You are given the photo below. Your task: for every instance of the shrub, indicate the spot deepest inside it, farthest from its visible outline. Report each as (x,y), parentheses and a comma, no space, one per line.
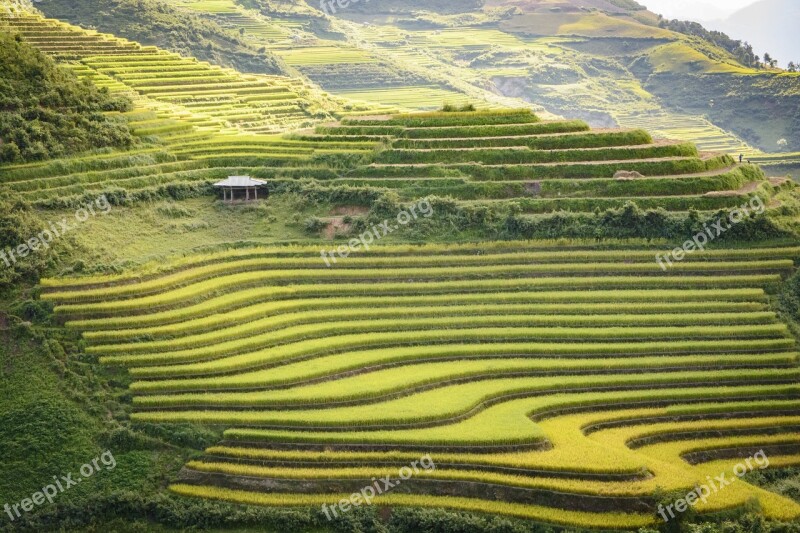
(314,225)
(18,223)
(45,111)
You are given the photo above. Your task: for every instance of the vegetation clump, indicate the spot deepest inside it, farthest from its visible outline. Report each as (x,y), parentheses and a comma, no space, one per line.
(45,111)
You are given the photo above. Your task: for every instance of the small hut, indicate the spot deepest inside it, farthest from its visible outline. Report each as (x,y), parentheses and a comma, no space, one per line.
(241,186)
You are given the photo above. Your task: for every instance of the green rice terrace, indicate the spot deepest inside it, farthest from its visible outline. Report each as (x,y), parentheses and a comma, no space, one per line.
(202,95)
(475,157)
(593,313)
(612,63)
(564,384)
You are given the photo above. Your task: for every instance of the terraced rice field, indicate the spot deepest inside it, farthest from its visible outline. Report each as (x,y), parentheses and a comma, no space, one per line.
(324,55)
(545,165)
(524,56)
(354,74)
(210,96)
(791,158)
(474,157)
(196,160)
(567,384)
(232,15)
(692,128)
(411,97)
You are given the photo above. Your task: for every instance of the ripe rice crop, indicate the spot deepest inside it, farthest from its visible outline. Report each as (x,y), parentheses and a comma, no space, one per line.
(567,345)
(81,303)
(281,315)
(283,329)
(447,404)
(537,513)
(592,301)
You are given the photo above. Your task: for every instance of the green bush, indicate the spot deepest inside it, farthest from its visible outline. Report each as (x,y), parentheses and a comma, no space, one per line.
(18,224)
(314,225)
(790,297)
(45,111)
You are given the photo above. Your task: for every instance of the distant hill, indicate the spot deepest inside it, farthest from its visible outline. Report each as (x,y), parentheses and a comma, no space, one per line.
(771,26)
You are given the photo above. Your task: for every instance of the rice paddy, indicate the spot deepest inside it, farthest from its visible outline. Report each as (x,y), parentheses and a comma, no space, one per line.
(209,96)
(200,123)
(476,157)
(571,382)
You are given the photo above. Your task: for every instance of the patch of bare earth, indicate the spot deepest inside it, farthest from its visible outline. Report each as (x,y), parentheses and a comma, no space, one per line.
(336,224)
(779,182)
(744,191)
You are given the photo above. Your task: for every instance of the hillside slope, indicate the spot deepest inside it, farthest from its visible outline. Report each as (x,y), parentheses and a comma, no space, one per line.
(154,22)
(245,362)
(45,111)
(604,61)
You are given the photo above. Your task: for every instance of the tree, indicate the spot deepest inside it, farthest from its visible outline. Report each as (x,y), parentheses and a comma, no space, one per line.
(47,111)
(792,67)
(743,51)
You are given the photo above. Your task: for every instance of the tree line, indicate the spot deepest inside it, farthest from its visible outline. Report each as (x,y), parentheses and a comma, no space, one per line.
(741,50)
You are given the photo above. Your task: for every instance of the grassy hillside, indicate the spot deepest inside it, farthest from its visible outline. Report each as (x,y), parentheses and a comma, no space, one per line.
(45,111)
(247,362)
(610,63)
(508,163)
